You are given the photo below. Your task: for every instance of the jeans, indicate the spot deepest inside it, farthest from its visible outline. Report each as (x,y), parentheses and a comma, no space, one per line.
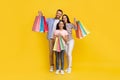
(60,58)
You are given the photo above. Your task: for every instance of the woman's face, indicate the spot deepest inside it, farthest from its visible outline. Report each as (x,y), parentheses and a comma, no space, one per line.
(61,25)
(65,19)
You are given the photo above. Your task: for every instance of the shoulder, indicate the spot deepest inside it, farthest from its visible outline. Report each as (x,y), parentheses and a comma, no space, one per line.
(56,31)
(70,24)
(65,31)
(50,19)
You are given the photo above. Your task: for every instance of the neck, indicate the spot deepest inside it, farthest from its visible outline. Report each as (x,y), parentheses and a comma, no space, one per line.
(61,29)
(66,22)
(57,18)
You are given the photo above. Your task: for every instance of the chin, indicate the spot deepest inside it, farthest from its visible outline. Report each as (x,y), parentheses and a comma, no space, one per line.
(58,17)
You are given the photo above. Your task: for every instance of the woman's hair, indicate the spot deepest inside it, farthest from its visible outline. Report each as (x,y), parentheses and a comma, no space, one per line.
(64,27)
(68,20)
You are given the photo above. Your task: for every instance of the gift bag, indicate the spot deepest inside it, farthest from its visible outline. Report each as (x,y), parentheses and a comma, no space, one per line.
(81,30)
(40,24)
(78,32)
(45,25)
(36,24)
(55,44)
(61,44)
(58,45)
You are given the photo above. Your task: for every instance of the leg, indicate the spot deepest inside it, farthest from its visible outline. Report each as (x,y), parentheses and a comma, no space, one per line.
(66,51)
(51,52)
(62,59)
(57,60)
(69,54)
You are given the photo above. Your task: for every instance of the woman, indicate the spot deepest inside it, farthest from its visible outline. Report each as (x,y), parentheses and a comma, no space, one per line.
(70,42)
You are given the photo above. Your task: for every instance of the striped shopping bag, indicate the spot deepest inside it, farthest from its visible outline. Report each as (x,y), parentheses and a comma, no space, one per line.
(40,24)
(81,31)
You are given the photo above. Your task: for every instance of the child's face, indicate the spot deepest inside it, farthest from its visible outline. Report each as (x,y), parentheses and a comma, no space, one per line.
(61,25)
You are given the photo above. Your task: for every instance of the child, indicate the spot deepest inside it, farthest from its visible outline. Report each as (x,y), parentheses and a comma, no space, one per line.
(60,33)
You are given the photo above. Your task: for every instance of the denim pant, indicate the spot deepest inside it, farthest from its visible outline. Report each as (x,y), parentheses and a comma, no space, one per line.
(60,58)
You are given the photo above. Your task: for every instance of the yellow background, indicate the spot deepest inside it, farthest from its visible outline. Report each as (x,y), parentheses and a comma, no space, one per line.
(24,54)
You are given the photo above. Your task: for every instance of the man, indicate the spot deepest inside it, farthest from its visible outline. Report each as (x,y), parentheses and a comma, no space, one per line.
(52,22)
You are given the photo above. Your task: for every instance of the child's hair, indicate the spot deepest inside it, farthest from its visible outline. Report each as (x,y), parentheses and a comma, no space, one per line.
(57,28)
(68,20)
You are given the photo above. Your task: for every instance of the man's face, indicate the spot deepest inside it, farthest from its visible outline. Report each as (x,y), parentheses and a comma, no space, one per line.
(58,14)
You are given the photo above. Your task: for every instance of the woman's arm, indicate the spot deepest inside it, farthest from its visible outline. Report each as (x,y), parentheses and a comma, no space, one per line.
(65,38)
(74,25)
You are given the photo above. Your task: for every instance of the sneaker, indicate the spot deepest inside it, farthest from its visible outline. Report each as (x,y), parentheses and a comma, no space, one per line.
(57,71)
(51,68)
(62,71)
(69,70)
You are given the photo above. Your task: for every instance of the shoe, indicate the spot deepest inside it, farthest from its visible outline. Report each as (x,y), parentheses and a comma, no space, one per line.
(51,68)
(69,70)
(62,71)
(57,71)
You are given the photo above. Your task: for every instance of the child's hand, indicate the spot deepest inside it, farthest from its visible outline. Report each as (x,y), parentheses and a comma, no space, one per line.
(57,36)
(60,34)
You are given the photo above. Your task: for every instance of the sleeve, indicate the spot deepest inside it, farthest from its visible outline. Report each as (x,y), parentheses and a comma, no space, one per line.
(55,32)
(47,20)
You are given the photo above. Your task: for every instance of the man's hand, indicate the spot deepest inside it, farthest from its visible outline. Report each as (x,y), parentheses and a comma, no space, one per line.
(40,13)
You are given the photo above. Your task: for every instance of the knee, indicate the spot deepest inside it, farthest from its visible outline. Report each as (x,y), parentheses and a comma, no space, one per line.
(51,54)
(62,61)
(69,55)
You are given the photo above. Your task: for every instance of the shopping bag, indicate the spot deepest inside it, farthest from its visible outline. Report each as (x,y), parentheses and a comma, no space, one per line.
(62,46)
(78,32)
(58,46)
(81,30)
(55,44)
(36,24)
(45,25)
(40,24)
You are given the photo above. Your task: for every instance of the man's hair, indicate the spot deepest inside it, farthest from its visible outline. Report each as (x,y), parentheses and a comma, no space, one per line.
(60,10)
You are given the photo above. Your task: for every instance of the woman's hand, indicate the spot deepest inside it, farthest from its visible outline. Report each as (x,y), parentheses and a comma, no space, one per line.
(65,38)
(75,20)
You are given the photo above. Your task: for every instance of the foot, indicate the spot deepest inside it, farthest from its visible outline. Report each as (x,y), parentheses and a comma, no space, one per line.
(51,68)
(57,71)
(69,70)
(62,71)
